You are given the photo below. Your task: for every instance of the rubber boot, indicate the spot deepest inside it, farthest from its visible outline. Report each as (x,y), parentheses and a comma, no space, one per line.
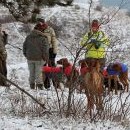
(40,86)
(32,86)
(47,83)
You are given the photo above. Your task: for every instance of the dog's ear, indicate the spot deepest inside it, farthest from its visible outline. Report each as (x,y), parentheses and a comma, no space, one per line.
(83,63)
(65,61)
(59,61)
(62,61)
(117,67)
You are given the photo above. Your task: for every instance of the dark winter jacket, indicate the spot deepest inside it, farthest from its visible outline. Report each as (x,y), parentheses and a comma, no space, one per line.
(36,46)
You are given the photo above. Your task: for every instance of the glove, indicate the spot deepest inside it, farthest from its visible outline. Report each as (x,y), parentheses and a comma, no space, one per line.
(51,53)
(5,33)
(97,45)
(93,41)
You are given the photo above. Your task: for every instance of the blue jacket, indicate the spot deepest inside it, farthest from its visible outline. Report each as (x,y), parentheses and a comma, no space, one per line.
(113,72)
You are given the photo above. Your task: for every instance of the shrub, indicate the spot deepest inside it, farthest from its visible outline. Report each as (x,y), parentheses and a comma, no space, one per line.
(98,8)
(128,13)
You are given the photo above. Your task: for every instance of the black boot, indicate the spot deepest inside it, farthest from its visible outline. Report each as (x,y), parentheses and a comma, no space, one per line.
(40,86)
(47,83)
(4,83)
(32,86)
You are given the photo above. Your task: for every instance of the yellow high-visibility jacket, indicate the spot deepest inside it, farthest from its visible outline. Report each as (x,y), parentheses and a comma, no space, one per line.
(91,51)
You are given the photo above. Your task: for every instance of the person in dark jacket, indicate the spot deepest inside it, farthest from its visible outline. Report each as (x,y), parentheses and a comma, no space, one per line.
(3,55)
(53,46)
(36,50)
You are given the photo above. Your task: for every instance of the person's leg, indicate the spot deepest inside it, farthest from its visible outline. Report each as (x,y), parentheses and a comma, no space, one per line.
(31,67)
(4,68)
(3,71)
(47,79)
(52,62)
(38,73)
(47,84)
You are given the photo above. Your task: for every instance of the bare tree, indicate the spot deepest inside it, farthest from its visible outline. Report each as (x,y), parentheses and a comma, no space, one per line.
(27,10)
(69,105)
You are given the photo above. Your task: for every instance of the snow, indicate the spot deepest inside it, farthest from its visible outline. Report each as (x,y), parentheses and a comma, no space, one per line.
(72,21)
(9,123)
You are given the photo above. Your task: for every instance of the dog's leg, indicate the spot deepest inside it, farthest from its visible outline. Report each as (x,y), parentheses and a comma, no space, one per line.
(124,80)
(109,84)
(81,84)
(115,82)
(126,84)
(56,84)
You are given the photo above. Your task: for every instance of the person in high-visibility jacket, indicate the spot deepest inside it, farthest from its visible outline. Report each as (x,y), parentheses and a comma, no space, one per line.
(95,43)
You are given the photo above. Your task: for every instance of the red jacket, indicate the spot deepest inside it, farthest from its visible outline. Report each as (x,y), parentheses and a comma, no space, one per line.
(84,70)
(51,69)
(105,73)
(66,71)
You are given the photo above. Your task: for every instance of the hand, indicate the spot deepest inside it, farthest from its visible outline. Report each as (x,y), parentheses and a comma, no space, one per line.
(4,33)
(97,45)
(93,41)
(53,55)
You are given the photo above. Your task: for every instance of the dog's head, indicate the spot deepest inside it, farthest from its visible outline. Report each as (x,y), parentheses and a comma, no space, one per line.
(68,68)
(64,62)
(83,63)
(117,67)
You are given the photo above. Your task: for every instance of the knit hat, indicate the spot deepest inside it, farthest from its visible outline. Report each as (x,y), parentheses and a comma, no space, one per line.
(41,26)
(95,23)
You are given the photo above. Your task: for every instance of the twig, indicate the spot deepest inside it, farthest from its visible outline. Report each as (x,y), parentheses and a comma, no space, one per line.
(42,105)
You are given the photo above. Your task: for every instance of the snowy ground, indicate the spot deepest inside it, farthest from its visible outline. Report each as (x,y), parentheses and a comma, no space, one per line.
(10,123)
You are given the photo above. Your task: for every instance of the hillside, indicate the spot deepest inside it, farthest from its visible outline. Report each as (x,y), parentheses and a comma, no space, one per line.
(70,24)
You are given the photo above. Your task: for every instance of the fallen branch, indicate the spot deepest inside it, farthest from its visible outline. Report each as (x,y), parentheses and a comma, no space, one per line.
(22,90)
